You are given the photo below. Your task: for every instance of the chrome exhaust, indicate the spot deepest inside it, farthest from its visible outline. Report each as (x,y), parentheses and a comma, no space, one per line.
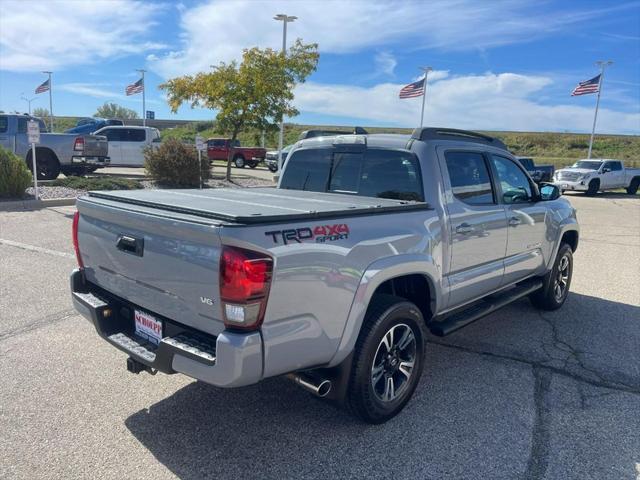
(318,386)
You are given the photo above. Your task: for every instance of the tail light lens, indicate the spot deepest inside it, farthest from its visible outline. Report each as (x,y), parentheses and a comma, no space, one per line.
(76,245)
(79,144)
(245,278)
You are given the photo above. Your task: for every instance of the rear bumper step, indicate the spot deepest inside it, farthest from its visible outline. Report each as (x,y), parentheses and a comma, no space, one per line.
(228,360)
(461,318)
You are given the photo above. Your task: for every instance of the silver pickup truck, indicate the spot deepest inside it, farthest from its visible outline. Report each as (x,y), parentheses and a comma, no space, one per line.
(56,152)
(335,277)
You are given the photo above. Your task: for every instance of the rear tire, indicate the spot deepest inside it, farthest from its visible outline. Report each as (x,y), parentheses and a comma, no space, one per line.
(632,189)
(594,186)
(557,281)
(47,165)
(388,359)
(238,161)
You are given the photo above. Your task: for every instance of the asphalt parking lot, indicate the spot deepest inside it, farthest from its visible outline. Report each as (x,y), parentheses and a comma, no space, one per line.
(517,395)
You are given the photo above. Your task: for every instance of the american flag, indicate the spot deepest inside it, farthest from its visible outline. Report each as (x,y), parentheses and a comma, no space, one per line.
(415,89)
(586,87)
(43,87)
(134,88)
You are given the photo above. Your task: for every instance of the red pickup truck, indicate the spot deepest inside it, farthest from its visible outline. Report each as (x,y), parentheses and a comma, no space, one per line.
(218,149)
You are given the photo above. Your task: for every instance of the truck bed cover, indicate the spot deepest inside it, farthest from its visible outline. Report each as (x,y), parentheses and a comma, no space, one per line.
(256,205)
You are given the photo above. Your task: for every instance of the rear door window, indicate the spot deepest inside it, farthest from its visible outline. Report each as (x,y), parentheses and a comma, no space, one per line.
(469,176)
(22,125)
(375,173)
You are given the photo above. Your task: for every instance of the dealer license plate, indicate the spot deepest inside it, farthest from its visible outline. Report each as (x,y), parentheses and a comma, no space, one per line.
(148,326)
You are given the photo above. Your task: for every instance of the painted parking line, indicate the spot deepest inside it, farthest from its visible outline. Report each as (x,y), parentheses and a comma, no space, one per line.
(34,248)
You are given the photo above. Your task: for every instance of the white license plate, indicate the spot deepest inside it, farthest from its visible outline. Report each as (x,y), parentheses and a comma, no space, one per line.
(148,326)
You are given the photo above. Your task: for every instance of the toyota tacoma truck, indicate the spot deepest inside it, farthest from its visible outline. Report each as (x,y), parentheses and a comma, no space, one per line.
(218,149)
(335,277)
(56,152)
(596,175)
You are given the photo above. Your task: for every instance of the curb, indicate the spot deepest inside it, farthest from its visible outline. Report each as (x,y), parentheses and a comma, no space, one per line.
(35,204)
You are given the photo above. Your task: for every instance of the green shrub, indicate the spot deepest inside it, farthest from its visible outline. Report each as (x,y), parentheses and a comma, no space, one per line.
(15,177)
(97,183)
(175,164)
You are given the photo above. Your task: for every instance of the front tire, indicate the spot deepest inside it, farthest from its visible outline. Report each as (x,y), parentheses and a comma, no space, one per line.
(557,281)
(632,189)
(272,168)
(388,359)
(594,186)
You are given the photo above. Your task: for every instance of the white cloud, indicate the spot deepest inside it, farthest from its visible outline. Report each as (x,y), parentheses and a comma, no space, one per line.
(385,63)
(218,30)
(90,89)
(485,102)
(57,34)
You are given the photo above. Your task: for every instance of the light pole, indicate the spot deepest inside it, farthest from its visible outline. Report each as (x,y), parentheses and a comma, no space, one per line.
(144,107)
(28,100)
(284,19)
(602,65)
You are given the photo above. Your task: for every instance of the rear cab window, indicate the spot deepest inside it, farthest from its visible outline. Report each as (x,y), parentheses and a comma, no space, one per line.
(376,172)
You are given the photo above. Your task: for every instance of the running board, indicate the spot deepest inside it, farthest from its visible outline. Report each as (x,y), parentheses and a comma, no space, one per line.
(461,318)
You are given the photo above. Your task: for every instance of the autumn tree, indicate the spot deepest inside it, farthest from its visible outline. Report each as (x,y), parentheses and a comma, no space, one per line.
(113,110)
(254,94)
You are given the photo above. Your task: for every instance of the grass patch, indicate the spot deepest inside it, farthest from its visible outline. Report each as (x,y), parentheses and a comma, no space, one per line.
(83,183)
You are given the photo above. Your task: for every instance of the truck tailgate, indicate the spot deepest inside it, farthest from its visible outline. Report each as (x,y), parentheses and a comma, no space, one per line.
(167,266)
(95,146)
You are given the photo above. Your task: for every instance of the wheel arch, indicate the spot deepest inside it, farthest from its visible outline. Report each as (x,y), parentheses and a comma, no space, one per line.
(42,151)
(404,273)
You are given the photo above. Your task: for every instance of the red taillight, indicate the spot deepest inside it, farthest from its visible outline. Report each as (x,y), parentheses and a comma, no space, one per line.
(79,144)
(245,278)
(76,245)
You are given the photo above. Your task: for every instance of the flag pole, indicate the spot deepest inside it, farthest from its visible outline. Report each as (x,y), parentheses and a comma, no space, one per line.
(50,104)
(144,109)
(602,66)
(424,91)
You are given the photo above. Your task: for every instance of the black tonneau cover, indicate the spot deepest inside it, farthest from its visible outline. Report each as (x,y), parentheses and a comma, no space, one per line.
(257,205)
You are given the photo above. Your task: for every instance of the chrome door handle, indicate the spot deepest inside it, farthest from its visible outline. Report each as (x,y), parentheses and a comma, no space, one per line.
(464,228)
(513,221)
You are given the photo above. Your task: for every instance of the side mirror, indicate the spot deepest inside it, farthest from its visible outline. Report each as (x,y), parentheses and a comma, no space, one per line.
(606,170)
(549,191)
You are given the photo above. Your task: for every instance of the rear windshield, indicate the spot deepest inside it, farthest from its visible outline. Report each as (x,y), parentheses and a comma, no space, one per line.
(374,173)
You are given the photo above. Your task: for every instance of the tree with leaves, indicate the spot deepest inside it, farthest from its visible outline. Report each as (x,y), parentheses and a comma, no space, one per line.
(113,110)
(41,112)
(254,94)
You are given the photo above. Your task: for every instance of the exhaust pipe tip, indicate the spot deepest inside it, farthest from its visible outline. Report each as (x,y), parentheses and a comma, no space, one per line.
(318,386)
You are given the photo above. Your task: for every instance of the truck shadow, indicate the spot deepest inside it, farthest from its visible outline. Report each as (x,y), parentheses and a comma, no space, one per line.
(472,414)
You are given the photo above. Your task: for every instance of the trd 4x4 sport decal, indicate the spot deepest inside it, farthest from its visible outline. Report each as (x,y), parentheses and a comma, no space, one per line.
(320,233)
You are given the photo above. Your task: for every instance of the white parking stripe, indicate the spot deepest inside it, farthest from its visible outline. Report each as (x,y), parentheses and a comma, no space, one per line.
(33,248)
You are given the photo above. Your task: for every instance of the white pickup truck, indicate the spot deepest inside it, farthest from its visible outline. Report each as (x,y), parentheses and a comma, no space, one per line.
(596,175)
(127,144)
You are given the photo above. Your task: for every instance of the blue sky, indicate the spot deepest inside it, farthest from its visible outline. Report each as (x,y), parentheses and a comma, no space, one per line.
(503,65)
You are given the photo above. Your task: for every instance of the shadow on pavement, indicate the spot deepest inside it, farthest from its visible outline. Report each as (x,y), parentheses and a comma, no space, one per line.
(472,415)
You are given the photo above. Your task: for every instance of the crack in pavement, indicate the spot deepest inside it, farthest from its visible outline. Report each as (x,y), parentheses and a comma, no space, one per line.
(609,384)
(40,323)
(539,455)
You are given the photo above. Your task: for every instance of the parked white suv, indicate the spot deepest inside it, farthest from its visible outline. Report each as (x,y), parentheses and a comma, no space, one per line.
(595,175)
(127,144)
